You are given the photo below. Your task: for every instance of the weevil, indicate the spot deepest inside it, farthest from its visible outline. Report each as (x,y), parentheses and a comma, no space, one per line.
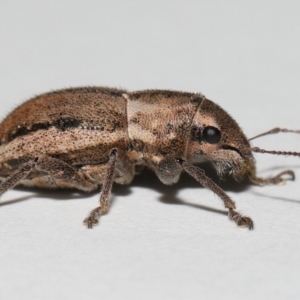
(91,137)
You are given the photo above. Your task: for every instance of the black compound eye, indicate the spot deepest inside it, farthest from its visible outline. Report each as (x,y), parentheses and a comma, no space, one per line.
(212,135)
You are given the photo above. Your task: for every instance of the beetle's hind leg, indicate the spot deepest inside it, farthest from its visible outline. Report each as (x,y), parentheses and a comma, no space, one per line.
(62,174)
(17,176)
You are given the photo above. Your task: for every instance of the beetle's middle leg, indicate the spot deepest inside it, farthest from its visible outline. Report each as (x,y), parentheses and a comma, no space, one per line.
(103,207)
(118,169)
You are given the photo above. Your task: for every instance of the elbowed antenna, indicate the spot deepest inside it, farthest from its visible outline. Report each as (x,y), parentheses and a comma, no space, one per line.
(286,153)
(278,179)
(274,130)
(275,152)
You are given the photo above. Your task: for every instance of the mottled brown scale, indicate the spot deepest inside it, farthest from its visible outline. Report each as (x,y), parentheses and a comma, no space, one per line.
(161,122)
(91,136)
(99,124)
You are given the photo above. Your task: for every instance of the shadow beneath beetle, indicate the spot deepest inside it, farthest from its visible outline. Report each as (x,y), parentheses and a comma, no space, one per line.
(147,179)
(277,198)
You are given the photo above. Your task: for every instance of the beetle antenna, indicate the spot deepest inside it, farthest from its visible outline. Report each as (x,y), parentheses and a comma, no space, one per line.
(274,130)
(286,153)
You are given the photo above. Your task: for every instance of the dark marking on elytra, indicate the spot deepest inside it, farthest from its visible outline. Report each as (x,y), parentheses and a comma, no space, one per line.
(65,123)
(62,124)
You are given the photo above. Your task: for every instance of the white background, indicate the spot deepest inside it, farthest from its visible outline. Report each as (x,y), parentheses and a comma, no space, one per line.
(157,242)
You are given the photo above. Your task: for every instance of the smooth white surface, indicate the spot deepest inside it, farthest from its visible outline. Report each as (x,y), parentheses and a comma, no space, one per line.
(157,242)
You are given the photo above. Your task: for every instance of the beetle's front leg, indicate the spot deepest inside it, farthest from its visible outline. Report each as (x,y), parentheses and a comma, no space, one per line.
(104,202)
(200,176)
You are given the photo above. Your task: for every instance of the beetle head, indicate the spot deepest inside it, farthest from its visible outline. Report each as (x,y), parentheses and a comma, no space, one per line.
(216,137)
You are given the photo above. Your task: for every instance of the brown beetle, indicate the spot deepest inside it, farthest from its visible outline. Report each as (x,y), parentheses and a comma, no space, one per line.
(91,136)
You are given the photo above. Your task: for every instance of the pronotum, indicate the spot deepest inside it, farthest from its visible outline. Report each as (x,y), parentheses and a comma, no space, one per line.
(92,136)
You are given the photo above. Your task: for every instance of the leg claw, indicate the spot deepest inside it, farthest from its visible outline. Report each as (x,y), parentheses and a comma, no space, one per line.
(240,220)
(90,221)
